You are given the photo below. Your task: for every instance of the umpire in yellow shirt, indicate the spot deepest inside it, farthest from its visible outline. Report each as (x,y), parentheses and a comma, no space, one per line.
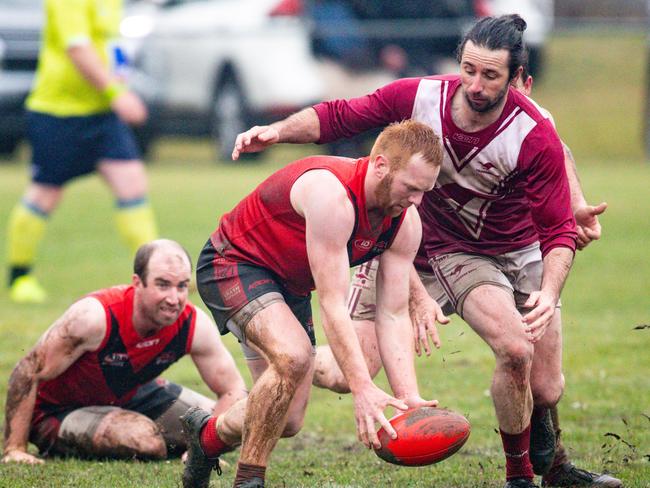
(77,119)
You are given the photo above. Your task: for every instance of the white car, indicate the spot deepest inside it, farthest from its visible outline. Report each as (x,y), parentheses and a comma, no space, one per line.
(219,66)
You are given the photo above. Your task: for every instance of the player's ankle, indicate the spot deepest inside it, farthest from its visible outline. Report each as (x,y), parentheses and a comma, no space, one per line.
(211,443)
(246,472)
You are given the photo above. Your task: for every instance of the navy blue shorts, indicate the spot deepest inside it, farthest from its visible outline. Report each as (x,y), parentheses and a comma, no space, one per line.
(66,147)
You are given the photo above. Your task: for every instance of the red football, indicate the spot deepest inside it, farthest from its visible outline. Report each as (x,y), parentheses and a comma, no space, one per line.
(425,435)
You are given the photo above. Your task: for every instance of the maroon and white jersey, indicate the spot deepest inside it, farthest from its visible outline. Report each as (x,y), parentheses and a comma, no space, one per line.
(500,189)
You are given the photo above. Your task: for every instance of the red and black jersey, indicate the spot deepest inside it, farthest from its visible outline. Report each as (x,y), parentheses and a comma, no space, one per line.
(266,231)
(123,362)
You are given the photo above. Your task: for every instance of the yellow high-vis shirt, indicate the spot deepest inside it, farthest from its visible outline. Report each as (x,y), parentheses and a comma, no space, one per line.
(59,88)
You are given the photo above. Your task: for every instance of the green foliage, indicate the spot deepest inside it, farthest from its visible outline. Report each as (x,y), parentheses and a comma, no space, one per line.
(606,408)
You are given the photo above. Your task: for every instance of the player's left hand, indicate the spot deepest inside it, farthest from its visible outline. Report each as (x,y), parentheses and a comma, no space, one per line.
(588,225)
(539,318)
(425,312)
(416,401)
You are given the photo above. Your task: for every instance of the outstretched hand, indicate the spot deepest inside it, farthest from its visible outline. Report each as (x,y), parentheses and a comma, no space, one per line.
(425,312)
(589,228)
(255,139)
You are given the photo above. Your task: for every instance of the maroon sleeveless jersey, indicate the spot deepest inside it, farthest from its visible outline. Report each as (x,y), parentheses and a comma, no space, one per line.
(266,231)
(124,361)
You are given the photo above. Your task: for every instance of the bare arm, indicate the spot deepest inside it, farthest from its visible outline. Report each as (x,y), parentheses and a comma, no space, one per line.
(393,324)
(329,216)
(124,103)
(586,215)
(557,264)
(299,128)
(215,364)
(81,328)
(424,312)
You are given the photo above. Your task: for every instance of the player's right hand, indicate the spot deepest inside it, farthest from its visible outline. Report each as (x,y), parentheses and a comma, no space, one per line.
(129,108)
(18,456)
(255,139)
(425,312)
(369,406)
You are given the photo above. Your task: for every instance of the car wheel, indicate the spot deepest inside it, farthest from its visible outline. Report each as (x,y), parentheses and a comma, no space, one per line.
(229,118)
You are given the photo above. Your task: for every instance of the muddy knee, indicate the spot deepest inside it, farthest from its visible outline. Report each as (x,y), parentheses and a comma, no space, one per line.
(123,433)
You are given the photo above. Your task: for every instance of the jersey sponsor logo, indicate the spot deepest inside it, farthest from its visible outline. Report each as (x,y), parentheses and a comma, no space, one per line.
(166,358)
(363,244)
(257,283)
(149,343)
(117,359)
(458,136)
(380,247)
(231,292)
(487,168)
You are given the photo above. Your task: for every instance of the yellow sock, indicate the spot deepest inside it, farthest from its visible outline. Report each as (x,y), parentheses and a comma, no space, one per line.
(135,223)
(24,233)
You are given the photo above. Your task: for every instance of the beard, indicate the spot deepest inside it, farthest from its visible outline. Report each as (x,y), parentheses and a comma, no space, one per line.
(382,195)
(489,104)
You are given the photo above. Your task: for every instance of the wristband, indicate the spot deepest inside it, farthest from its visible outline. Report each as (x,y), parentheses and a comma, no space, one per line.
(113,90)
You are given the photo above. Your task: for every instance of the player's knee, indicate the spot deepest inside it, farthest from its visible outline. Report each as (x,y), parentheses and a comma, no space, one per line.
(129,434)
(548,390)
(516,355)
(147,440)
(293,365)
(153,447)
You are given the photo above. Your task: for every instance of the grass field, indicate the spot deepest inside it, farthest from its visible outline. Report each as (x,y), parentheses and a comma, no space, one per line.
(606,408)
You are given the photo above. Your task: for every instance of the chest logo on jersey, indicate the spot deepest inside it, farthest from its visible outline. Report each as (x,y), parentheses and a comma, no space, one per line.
(363,244)
(467,139)
(166,358)
(117,359)
(149,343)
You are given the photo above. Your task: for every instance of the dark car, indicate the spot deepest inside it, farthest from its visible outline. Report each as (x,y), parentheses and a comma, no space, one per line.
(20,26)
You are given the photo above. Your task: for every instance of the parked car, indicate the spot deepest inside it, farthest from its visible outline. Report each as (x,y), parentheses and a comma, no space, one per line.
(204,67)
(220,66)
(20,25)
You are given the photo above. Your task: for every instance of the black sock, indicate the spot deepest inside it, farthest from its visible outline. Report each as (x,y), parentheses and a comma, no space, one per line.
(16,272)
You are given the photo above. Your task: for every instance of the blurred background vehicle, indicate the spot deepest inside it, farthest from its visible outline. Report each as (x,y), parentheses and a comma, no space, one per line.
(20,25)
(220,66)
(216,67)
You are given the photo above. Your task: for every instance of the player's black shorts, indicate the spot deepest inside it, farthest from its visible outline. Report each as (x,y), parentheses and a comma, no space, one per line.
(152,399)
(234,292)
(64,148)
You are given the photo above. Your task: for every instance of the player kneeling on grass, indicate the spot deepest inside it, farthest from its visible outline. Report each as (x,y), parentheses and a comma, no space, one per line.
(90,386)
(301,230)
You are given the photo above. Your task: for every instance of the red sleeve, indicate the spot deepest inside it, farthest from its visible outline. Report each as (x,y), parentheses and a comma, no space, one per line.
(346,118)
(547,188)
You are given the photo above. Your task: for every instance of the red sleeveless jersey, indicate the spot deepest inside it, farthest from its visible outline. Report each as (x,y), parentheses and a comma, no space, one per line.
(266,231)
(124,361)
